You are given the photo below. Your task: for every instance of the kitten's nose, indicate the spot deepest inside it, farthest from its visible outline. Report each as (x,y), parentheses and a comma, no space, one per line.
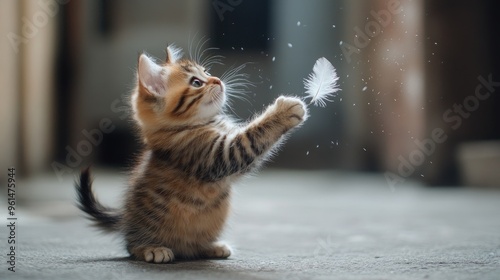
(214,80)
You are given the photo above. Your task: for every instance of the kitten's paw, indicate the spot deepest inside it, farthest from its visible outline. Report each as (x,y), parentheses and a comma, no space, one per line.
(218,251)
(158,255)
(292,109)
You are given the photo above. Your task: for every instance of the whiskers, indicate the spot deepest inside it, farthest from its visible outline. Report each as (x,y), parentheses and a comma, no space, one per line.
(201,54)
(237,83)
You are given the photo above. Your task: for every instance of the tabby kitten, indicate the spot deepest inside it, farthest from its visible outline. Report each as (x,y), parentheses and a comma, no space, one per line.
(179,193)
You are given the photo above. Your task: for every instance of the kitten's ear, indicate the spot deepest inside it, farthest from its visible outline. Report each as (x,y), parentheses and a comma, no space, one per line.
(150,75)
(172,54)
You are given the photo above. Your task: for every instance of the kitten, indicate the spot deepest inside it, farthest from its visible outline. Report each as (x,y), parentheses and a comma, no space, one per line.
(179,194)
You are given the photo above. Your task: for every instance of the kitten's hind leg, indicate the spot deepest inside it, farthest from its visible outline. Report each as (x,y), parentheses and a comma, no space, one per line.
(217,250)
(154,254)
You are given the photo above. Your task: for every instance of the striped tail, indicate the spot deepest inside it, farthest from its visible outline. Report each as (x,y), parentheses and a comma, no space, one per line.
(105,218)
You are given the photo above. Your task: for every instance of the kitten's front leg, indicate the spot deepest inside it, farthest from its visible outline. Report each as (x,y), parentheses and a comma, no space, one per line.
(241,152)
(289,111)
(154,254)
(217,250)
(266,130)
(285,114)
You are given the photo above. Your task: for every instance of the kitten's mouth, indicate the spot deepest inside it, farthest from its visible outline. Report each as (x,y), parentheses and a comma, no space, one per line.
(216,95)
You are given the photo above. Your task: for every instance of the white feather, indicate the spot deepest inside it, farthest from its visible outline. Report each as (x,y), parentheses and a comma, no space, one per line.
(322,82)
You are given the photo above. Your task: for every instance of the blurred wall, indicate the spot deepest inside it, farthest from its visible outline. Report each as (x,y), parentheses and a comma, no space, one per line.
(462,45)
(27,73)
(9,70)
(391,68)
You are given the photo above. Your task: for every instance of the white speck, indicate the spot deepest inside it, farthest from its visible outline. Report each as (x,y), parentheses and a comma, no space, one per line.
(365,88)
(354,104)
(307,153)
(333,26)
(241,48)
(364,149)
(290,45)
(341,42)
(274,58)
(317,146)
(298,23)
(422,175)
(271,87)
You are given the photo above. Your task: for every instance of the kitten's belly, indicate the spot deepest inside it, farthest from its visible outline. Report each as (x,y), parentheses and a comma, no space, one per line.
(199,223)
(191,228)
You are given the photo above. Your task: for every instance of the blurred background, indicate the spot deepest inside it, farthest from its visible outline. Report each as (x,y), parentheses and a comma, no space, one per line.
(420,81)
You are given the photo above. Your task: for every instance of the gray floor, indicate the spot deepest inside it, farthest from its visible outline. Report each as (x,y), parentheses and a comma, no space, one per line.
(285,225)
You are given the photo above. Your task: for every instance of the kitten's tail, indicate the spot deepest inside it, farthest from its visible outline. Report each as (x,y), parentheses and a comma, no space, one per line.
(105,218)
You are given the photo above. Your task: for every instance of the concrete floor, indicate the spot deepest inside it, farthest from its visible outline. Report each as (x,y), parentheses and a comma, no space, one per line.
(285,225)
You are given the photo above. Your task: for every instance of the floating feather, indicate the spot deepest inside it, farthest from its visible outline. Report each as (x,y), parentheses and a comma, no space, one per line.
(322,82)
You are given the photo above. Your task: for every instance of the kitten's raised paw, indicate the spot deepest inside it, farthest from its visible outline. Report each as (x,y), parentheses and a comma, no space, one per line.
(292,108)
(158,255)
(218,251)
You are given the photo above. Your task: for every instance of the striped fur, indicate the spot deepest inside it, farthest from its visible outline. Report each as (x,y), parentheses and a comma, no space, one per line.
(179,195)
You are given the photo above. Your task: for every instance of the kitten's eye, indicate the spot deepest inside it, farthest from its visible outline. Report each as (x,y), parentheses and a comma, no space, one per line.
(195,82)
